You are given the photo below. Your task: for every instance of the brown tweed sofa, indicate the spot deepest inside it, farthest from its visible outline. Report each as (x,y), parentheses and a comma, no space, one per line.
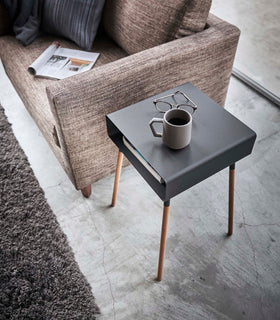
(146,47)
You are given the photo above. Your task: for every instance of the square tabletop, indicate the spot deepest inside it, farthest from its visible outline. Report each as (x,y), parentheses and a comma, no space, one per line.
(218,140)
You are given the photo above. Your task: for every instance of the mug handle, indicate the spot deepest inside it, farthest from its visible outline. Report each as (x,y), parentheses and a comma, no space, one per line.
(156,134)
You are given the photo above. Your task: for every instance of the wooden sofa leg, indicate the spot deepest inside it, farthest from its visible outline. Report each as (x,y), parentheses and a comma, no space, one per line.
(86,191)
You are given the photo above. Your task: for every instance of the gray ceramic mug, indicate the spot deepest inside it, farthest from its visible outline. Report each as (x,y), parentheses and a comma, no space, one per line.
(177,128)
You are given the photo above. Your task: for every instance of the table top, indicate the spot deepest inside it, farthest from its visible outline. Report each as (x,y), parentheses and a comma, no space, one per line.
(218,140)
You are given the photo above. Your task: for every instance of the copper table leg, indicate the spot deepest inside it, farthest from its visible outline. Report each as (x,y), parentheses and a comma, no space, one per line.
(163,239)
(117,178)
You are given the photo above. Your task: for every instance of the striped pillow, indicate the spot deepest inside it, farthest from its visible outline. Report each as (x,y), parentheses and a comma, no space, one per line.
(77,20)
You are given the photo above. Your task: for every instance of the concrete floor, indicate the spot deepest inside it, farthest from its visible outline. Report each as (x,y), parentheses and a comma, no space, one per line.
(259,23)
(206,275)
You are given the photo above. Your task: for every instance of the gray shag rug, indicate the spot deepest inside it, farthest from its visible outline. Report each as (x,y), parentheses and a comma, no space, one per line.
(39,277)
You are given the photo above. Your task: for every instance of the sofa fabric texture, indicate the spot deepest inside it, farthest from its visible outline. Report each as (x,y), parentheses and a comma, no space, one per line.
(137,25)
(195,17)
(16,59)
(77,20)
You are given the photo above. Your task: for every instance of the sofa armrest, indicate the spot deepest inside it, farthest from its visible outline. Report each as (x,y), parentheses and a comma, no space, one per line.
(80,103)
(5,21)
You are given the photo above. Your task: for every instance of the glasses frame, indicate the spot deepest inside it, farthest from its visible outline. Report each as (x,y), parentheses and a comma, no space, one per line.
(193,106)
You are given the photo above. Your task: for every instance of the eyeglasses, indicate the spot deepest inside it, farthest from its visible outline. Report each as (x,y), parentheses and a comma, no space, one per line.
(185,103)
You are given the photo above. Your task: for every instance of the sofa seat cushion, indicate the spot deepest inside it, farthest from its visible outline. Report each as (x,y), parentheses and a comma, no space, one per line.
(16,58)
(137,25)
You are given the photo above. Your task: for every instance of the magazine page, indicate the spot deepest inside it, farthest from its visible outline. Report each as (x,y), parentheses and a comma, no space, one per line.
(43,58)
(65,63)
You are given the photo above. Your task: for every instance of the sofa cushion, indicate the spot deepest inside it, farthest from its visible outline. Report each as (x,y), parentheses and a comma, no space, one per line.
(195,17)
(137,25)
(16,59)
(77,20)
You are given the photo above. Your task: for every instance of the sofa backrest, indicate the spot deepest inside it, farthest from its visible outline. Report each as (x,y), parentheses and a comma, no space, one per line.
(137,25)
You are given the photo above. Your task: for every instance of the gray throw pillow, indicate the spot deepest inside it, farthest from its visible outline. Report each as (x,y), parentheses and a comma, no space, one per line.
(77,20)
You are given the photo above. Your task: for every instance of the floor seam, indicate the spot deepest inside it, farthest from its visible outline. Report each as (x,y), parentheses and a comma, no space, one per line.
(254,255)
(103,264)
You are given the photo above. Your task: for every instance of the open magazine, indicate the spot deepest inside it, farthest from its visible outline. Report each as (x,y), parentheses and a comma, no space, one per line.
(59,63)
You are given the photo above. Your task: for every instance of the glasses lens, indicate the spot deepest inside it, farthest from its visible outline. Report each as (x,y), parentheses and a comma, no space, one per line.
(163,106)
(186,107)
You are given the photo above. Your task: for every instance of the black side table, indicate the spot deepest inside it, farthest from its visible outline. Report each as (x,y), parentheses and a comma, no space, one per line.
(219,140)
